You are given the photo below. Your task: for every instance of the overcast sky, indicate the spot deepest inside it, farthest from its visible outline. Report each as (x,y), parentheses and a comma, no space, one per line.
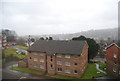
(37,17)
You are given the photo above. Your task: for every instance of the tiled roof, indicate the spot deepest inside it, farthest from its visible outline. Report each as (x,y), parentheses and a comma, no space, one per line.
(55,46)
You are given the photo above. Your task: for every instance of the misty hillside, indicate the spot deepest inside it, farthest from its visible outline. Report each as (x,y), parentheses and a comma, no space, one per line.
(96,34)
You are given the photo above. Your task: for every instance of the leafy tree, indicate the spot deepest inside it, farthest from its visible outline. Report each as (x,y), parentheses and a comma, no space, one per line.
(50,38)
(79,38)
(93,46)
(41,38)
(32,39)
(47,38)
(10,35)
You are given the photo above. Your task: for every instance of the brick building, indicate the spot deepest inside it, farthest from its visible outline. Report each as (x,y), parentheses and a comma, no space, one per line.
(23,63)
(3,41)
(113,59)
(54,57)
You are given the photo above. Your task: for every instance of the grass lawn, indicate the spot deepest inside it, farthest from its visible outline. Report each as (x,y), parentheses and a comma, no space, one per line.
(11,52)
(22,47)
(102,66)
(20,56)
(91,71)
(27,70)
(61,77)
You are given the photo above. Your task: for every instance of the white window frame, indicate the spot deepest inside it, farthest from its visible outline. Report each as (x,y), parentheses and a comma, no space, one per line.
(35,59)
(41,54)
(67,63)
(114,69)
(42,67)
(76,57)
(59,56)
(41,60)
(35,65)
(67,56)
(67,71)
(59,62)
(115,55)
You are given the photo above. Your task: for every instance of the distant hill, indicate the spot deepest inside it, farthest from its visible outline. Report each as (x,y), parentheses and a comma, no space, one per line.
(96,34)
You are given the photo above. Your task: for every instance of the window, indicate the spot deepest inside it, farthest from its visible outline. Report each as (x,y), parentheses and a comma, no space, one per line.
(59,62)
(35,53)
(41,60)
(75,71)
(51,66)
(35,65)
(67,56)
(51,60)
(67,63)
(51,57)
(30,58)
(75,64)
(115,63)
(41,54)
(67,71)
(76,56)
(35,59)
(59,56)
(41,67)
(115,56)
(114,69)
(59,69)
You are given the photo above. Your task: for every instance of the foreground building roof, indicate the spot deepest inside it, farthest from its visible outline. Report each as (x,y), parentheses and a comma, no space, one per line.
(57,46)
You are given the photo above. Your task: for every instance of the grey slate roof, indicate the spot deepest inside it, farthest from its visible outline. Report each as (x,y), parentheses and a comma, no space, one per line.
(57,46)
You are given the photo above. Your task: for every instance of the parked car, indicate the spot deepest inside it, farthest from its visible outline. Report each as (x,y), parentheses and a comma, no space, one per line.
(20,52)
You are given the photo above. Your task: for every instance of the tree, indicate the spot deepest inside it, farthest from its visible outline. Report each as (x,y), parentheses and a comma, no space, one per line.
(32,40)
(79,38)
(20,41)
(46,38)
(50,38)
(93,46)
(41,38)
(10,35)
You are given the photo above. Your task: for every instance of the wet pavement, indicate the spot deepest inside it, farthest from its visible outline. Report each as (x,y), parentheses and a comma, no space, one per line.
(107,78)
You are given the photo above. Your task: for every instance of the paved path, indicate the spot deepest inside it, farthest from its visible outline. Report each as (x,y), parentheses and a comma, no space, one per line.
(97,67)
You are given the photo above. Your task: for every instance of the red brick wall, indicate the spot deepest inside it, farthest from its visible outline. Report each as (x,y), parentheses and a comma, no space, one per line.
(81,60)
(110,60)
(31,61)
(110,51)
(22,64)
